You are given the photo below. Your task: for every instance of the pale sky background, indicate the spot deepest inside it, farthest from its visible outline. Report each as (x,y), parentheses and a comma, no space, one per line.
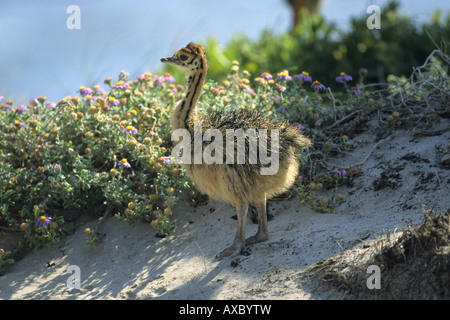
(39,55)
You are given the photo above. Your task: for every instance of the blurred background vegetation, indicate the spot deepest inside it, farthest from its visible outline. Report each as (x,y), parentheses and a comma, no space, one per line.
(322,49)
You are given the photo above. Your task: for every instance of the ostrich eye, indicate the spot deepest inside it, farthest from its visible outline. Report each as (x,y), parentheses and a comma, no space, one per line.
(183,57)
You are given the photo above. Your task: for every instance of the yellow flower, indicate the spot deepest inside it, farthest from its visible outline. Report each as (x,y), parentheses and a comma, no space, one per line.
(131,205)
(170,190)
(128,212)
(260,80)
(23,226)
(168,211)
(134,112)
(154,223)
(76,100)
(87,231)
(89,134)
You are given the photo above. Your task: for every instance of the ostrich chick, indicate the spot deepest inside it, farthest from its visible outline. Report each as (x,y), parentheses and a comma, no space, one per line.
(238,183)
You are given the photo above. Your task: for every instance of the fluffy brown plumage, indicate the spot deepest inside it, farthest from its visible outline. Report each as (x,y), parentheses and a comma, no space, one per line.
(240,185)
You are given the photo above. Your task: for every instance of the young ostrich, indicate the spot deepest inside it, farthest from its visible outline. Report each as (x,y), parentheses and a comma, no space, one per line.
(239,185)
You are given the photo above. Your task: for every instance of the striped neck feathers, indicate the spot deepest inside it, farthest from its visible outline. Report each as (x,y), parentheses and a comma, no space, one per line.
(186,110)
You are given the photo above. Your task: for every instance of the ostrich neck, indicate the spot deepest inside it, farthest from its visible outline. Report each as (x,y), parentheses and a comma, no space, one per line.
(186,110)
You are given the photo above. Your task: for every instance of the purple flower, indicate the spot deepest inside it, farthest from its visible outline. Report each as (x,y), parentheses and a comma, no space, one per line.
(280,88)
(126,165)
(340,172)
(113,102)
(304,76)
(84,91)
(98,90)
(356,90)
(1,98)
(123,162)
(282,108)
(343,77)
(20,124)
(250,90)
(43,221)
(284,76)
(130,130)
(21,109)
(159,80)
(299,127)
(89,98)
(318,86)
(57,167)
(50,105)
(121,85)
(266,75)
(165,160)
(168,78)
(7,107)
